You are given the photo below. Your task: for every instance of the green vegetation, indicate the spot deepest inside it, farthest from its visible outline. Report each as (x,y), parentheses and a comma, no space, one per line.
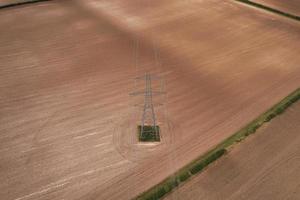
(295,17)
(170,183)
(203,161)
(199,166)
(149,134)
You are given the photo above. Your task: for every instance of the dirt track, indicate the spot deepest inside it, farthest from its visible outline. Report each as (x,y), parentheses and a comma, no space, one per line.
(289,6)
(265,166)
(67,68)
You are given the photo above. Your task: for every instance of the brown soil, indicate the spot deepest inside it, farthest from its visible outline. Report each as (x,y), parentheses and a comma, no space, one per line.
(8,2)
(67,69)
(288,6)
(265,166)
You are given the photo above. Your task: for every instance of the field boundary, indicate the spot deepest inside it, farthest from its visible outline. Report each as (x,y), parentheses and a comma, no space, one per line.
(267,8)
(21,3)
(199,164)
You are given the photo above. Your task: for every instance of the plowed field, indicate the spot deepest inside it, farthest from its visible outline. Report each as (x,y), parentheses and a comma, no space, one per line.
(67,121)
(265,166)
(288,6)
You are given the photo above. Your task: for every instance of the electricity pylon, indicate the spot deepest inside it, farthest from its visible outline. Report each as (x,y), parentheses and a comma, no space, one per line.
(148,116)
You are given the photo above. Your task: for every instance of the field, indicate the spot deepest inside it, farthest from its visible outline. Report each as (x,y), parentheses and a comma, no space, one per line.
(10,2)
(265,166)
(67,68)
(7,2)
(288,6)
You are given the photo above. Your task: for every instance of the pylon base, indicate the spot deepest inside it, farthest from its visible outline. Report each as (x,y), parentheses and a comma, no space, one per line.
(149,134)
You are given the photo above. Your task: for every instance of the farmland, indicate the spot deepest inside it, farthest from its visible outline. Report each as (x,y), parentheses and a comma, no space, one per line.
(288,6)
(265,166)
(67,68)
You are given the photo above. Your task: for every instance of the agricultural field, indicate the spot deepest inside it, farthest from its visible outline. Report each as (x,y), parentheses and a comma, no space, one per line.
(265,166)
(9,2)
(67,121)
(288,6)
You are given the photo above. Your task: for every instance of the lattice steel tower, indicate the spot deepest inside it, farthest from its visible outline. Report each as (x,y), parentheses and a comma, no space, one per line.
(148,116)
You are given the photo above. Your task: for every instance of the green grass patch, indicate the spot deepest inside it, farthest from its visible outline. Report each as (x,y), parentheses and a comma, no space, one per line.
(183,176)
(279,12)
(168,184)
(149,134)
(199,166)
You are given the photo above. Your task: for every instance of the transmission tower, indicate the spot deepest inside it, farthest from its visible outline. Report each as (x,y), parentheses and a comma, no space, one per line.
(148,116)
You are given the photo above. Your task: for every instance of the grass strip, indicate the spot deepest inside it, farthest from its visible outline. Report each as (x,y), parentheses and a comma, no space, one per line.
(196,166)
(273,10)
(21,3)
